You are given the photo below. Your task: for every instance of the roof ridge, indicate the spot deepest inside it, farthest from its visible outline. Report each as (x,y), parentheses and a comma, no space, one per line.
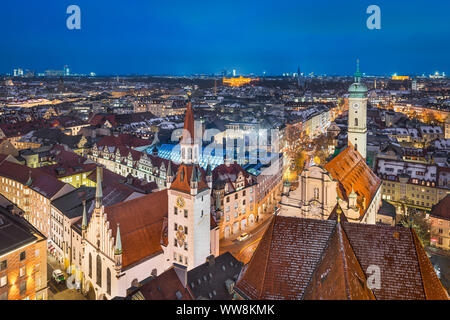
(325,247)
(344,234)
(344,260)
(271,228)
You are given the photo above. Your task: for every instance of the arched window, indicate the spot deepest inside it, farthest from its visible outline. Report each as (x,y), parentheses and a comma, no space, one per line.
(90,265)
(356,147)
(356,122)
(99,271)
(108,281)
(316,193)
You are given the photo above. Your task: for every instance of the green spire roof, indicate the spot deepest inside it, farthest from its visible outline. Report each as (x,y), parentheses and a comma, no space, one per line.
(118,248)
(357,89)
(357,73)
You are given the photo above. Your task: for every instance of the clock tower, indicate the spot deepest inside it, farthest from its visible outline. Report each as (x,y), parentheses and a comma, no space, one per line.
(189,196)
(357,115)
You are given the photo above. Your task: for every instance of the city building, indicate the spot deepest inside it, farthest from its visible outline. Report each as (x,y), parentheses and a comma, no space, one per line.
(440,224)
(233,198)
(31,190)
(346,179)
(237,81)
(411,185)
(169,226)
(23,259)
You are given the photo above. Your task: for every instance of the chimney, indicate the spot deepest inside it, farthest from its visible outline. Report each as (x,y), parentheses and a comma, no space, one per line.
(211,260)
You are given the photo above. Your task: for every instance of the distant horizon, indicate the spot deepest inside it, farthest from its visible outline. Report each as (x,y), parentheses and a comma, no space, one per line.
(215,75)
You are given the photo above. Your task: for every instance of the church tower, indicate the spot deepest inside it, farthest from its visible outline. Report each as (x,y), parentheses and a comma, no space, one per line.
(189,197)
(357,115)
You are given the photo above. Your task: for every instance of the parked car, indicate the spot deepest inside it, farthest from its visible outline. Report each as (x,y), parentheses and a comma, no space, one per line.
(243,237)
(58,276)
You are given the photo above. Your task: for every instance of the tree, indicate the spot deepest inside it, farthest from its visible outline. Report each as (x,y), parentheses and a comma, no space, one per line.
(298,161)
(417,221)
(430,118)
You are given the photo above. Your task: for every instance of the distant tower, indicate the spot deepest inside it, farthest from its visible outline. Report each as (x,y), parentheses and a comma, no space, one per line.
(189,197)
(357,114)
(61,85)
(300,79)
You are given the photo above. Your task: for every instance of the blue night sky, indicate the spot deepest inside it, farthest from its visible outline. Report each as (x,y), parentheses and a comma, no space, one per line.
(186,37)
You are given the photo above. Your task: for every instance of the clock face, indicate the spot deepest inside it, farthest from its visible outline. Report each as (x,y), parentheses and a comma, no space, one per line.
(356,105)
(180,202)
(181,237)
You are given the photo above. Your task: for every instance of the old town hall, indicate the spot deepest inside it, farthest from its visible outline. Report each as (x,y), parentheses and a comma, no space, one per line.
(138,238)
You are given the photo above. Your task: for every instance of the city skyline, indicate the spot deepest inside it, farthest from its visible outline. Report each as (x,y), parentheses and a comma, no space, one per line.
(187,39)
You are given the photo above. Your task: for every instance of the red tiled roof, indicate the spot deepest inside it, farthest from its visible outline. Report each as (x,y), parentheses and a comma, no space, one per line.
(19,128)
(301,258)
(442,209)
(182,181)
(351,170)
(41,182)
(141,225)
(123,140)
(188,132)
(100,119)
(339,275)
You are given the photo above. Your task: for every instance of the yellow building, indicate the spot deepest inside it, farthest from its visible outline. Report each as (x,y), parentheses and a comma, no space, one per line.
(440,224)
(237,82)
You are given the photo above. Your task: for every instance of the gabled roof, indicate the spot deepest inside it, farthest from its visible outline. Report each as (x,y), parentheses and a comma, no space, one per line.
(166,286)
(141,225)
(339,275)
(301,258)
(351,170)
(184,175)
(208,280)
(442,209)
(41,182)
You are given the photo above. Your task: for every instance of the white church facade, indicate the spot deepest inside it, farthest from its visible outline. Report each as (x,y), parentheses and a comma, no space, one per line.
(346,178)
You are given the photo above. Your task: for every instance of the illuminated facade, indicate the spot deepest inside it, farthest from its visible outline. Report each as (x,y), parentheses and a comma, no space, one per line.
(237,82)
(395,77)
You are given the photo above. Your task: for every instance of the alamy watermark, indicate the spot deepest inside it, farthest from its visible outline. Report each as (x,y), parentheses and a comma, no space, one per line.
(74,20)
(374,20)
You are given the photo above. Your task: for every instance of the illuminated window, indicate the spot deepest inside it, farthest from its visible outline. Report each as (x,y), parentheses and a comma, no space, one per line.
(3,281)
(22,271)
(99,271)
(23,287)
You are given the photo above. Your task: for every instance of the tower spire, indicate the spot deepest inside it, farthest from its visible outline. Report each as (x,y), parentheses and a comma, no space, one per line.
(99,190)
(357,73)
(118,247)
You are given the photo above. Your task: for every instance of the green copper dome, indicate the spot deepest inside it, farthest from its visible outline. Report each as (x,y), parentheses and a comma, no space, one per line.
(357,89)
